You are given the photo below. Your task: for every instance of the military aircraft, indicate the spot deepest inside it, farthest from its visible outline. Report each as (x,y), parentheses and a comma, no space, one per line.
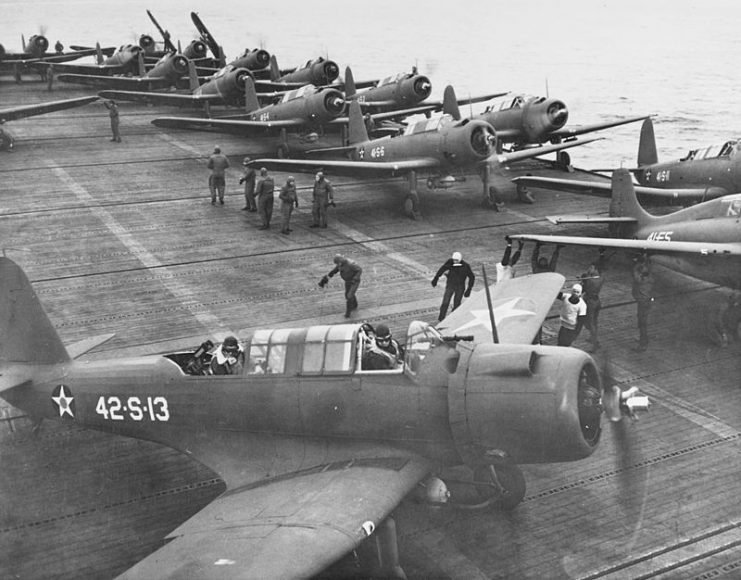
(315,450)
(523,120)
(439,145)
(399,91)
(256,59)
(195,50)
(34,53)
(317,72)
(13,113)
(167,72)
(702,241)
(702,174)
(122,61)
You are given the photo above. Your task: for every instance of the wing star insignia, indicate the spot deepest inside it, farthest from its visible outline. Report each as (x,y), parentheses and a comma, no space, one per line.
(502,311)
(63,401)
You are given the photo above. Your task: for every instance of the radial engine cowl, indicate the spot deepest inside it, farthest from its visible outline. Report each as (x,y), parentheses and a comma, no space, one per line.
(543,116)
(334,102)
(180,65)
(38,44)
(538,404)
(331,70)
(146,42)
(196,49)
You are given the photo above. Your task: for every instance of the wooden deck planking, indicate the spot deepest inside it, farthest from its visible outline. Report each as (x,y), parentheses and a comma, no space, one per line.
(134,247)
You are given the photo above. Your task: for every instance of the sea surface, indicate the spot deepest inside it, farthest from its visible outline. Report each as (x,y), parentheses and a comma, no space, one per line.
(605,59)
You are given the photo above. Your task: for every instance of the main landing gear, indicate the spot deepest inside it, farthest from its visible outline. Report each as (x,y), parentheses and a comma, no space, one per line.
(411,203)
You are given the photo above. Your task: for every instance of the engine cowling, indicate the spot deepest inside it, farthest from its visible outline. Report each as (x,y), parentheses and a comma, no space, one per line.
(536,404)
(147,43)
(38,44)
(196,49)
(541,117)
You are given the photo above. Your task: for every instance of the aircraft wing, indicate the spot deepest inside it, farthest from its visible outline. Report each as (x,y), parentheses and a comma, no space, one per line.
(530,152)
(566,132)
(168,99)
(236,126)
(116,82)
(589,219)
(292,526)
(342,167)
(650,246)
(520,306)
(605,188)
(42,108)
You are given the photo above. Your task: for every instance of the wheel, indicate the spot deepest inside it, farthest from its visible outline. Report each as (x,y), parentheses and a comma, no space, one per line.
(509,478)
(564,160)
(411,203)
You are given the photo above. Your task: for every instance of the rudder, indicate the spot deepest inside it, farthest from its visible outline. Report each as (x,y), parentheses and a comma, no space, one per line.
(26,333)
(647,154)
(624,202)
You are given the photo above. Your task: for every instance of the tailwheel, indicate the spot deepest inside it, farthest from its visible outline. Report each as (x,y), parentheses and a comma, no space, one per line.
(503,485)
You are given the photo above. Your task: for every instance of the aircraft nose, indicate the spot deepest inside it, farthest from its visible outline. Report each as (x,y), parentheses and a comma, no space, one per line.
(557,113)
(331,71)
(180,64)
(334,103)
(146,41)
(423,87)
(41,43)
(241,76)
(262,58)
(198,49)
(483,140)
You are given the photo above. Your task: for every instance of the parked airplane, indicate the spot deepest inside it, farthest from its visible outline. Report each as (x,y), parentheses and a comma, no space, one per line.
(168,71)
(13,113)
(35,52)
(123,61)
(702,174)
(352,442)
(702,241)
(439,146)
(256,59)
(525,120)
(195,50)
(399,91)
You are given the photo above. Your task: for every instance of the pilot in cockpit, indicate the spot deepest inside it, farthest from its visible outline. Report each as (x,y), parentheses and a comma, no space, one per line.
(382,352)
(228,359)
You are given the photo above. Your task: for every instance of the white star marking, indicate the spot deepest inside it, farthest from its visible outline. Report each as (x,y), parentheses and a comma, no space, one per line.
(63,401)
(501,312)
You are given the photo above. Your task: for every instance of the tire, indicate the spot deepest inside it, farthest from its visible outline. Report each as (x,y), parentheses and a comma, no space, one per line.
(510,477)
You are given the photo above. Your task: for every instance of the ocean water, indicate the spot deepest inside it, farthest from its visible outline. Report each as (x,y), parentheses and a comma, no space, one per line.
(605,59)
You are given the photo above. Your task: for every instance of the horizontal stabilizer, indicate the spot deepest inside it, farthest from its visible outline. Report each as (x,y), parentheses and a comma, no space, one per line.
(77,349)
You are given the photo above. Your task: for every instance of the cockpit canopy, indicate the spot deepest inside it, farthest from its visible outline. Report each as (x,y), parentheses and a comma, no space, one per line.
(431,124)
(299,93)
(727,149)
(394,79)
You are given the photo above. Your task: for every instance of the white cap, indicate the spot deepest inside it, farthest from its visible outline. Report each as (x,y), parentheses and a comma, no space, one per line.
(457,256)
(576,288)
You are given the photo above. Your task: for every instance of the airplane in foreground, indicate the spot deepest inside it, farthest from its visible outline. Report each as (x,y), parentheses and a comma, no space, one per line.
(440,145)
(525,120)
(316,451)
(13,113)
(702,241)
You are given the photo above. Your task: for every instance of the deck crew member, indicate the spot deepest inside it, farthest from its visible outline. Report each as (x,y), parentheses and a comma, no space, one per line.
(322,198)
(113,114)
(350,272)
(457,271)
(288,200)
(249,179)
(573,314)
(264,192)
(218,164)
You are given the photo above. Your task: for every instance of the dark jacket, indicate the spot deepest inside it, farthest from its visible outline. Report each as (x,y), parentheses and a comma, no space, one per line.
(457,273)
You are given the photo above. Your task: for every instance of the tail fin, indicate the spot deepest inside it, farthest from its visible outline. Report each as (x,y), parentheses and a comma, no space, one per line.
(193,76)
(350,89)
(98,54)
(251,103)
(357,132)
(624,202)
(450,103)
(647,145)
(274,70)
(140,63)
(23,43)
(26,333)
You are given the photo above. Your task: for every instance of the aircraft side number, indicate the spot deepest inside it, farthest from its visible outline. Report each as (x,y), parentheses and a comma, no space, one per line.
(134,408)
(377,152)
(660,236)
(663,175)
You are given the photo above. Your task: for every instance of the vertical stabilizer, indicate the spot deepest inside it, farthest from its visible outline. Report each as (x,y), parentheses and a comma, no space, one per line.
(350,89)
(357,131)
(193,81)
(26,333)
(450,103)
(624,202)
(647,145)
(251,103)
(221,57)
(274,70)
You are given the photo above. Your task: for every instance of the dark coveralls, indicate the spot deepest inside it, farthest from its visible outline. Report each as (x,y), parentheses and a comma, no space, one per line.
(458,273)
(350,272)
(249,179)
(288,199)
(592,287)
(323,196)
(113,113)
(218,164)
(643,284)
(265,200)
(544,265)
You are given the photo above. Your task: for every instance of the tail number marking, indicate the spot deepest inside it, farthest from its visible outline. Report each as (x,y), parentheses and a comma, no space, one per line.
(660,236)
(115,408)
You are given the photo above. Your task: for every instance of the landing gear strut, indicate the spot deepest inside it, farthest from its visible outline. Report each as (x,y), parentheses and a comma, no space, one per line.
(411,203)
(502,483)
